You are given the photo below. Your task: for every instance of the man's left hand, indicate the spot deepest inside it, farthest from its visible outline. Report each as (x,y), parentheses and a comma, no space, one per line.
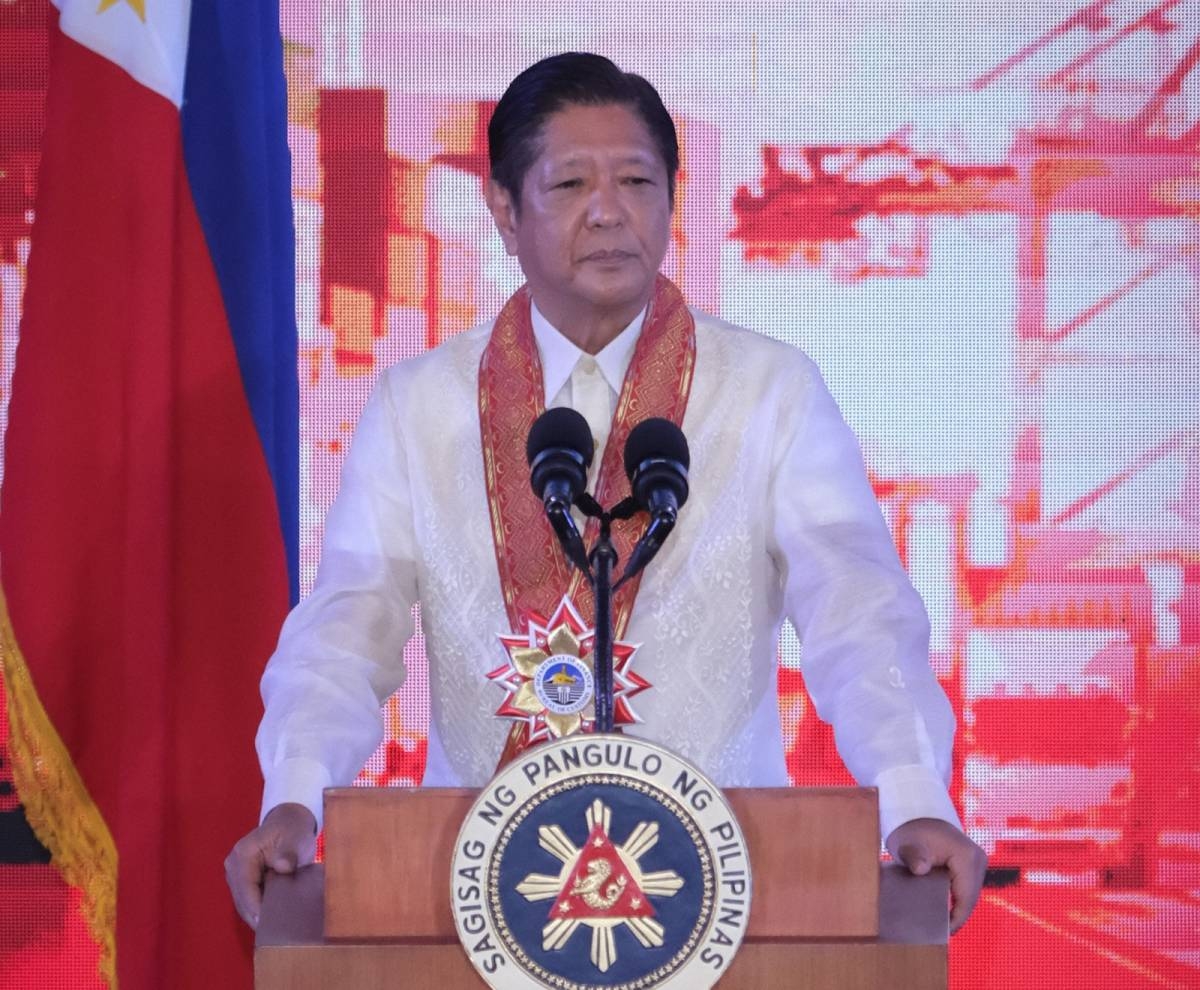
(925,843)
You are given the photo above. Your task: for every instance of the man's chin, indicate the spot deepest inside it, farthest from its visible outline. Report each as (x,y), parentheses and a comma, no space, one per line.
(617,294)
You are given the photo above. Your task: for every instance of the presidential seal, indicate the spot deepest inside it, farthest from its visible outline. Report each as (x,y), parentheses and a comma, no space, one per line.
(600,862)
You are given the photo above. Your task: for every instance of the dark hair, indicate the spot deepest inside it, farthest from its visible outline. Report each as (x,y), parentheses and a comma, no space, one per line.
(570,79)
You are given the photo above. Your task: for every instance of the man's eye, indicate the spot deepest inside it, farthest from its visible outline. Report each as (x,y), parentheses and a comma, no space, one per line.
(567,184)
(638,180)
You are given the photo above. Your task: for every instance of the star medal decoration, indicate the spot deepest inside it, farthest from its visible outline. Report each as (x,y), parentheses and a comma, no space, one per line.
(549,680)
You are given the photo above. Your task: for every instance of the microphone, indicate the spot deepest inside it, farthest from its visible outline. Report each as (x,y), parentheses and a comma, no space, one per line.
(657,462)
(559,450)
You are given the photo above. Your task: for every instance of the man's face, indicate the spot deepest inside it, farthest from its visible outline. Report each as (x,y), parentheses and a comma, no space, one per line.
(594,218)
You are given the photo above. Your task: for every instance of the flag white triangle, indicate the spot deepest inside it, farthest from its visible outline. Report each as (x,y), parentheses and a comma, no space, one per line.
(146,38)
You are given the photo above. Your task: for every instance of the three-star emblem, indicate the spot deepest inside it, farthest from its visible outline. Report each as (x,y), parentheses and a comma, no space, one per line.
(601,885)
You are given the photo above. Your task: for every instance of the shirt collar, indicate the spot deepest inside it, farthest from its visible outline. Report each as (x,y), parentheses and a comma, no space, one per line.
(559,355)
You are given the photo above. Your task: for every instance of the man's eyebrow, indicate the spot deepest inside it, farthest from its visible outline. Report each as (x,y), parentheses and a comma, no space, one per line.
(633,158)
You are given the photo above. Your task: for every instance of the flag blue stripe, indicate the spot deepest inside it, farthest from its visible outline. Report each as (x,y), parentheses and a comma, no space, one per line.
(234,120)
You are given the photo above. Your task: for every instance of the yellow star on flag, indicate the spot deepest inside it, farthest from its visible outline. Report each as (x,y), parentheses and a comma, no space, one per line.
(137,6)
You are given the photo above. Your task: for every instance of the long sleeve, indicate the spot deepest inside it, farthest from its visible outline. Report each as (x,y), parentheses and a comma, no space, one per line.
(340,653)
(863,629)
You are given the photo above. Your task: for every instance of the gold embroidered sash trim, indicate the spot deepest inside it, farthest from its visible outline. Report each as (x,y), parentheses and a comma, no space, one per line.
(533,572)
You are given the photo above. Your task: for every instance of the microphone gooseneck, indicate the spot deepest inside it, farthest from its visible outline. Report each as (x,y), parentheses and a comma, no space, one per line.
(559,450)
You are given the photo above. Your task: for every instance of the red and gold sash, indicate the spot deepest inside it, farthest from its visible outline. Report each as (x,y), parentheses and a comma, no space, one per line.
(534,575)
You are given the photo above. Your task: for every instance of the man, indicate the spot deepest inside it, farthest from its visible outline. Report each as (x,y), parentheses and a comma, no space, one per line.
(435,506)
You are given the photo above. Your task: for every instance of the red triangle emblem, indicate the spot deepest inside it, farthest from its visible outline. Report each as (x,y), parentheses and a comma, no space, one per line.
(600,885)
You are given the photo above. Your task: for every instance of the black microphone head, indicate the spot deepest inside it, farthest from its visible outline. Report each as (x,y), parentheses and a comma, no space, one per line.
(561,427)
(657,439)
(656,458)
(560,450)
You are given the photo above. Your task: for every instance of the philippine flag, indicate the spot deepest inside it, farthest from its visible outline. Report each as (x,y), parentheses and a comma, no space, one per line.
(148,518)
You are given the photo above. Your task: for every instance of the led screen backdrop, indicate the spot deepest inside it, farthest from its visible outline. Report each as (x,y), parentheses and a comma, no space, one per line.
(984,226)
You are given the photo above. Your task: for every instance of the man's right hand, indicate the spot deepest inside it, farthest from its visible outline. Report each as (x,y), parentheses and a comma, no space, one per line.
(286,839)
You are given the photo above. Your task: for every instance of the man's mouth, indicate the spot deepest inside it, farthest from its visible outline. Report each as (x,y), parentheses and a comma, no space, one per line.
(608,256)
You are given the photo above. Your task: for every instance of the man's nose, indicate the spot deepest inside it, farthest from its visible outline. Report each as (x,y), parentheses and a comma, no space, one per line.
(605,207)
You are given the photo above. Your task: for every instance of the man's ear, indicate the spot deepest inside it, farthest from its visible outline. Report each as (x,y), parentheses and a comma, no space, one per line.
(504,212)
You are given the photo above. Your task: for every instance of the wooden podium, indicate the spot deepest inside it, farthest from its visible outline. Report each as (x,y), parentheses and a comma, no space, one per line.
(825,913)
